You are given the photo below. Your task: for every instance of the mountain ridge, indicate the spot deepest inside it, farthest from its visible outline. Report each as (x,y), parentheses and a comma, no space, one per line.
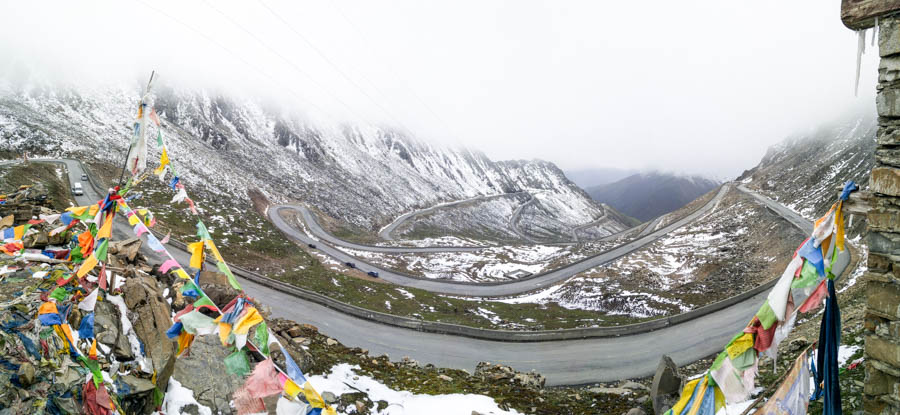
(648,195)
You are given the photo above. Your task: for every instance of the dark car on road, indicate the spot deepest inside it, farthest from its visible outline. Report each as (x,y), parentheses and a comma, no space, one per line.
(373,274)
(350,264)
(312,246)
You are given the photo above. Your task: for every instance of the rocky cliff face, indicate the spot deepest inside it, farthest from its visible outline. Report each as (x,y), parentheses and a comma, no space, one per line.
(804,172)
(364,175)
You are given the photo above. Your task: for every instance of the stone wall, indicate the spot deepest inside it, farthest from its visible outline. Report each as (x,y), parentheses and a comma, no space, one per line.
(882,387)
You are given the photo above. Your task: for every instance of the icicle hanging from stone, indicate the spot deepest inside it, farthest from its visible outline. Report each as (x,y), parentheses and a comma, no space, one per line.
(874,32)
(860,50)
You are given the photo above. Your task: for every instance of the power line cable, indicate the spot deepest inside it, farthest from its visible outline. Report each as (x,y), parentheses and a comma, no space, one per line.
(265,75)
(336,68)
(391,69)
(288,61)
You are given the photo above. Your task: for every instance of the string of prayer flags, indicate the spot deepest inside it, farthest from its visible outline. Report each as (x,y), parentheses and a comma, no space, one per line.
(235,320)
(816,263)
(136,161)
(698,398)
(792,397)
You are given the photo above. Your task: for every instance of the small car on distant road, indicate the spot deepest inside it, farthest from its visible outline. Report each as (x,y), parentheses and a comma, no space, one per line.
(350,264)
(77,190)
(84,177)
(311,246)
(373,274)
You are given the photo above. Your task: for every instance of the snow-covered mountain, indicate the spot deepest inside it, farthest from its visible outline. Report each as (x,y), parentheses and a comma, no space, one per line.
(804,172)
(648,195)
(363,175)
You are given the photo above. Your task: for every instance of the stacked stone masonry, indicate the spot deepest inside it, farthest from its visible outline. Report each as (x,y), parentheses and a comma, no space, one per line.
(882,324)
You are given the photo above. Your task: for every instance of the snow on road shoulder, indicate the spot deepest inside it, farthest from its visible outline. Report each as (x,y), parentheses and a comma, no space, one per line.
(343,379)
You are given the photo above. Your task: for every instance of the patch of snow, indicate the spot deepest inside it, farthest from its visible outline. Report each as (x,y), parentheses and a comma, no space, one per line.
(405,293)
(343,379)
(177,398)
(128,329)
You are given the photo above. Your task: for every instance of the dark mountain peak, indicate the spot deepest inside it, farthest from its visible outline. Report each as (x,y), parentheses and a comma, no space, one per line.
(647,195)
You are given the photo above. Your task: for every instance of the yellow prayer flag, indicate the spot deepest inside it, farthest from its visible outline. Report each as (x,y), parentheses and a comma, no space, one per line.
(249,319)
(164,159)
(77,210)
(19,232)
(182,274)
(312,396)
(86,266)
(291,389)
(698,401)
(740,345)
(686,395)
(839,223)
(93,352)
(224,331)
(215,251)
(196,250)
(133,220)
(105,230)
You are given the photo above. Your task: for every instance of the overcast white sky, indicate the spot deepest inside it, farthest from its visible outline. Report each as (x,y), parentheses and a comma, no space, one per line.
(689,86)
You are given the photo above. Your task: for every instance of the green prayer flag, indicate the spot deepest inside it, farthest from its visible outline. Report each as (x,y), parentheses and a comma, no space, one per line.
(202,232)
(262,338)
(231,279)
(94,367)
(237,363)
(189,285)
(745,360)
(59,294)
(766,316)
(100,252)
(808,276)
(203,300)
(159,141)
(75,255)
(196,320)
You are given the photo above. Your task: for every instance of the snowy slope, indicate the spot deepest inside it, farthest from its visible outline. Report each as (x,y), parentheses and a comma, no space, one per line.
(804,172)
(361,174)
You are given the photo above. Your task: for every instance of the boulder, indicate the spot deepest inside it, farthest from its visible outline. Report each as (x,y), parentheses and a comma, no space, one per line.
(127,249)
(531,380)
(634,386)
(611,391)
(667,384)
(798,344)
(300,356)
(635,411)
(145,300)
(202,370)
(108,330)
(135,394)
(36,240)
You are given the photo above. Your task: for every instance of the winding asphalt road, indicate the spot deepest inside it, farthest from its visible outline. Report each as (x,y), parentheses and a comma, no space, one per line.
(497,289)
(569,362)
(385,232)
